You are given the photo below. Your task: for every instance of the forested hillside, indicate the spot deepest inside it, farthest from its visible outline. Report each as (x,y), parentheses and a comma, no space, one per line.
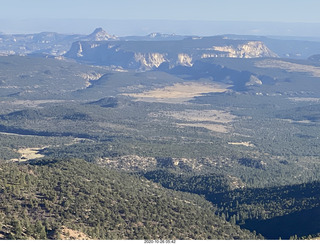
(42,199)
(295,207)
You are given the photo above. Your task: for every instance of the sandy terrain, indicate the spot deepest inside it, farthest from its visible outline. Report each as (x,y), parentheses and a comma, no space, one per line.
(31,103)
(179,92)
(213,127)
(297,121)
(29,153)
(14,134)
(69,234)
(214,120)
(216,116)
(290,67)
(247,144)
(305,99)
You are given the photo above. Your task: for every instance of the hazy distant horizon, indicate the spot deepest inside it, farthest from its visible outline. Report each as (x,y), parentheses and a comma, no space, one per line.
(181,17)
(144,27)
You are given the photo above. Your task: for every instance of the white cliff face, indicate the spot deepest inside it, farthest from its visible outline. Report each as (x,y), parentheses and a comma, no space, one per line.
(209,55)
(154,60)
(150,60)
(184,60)
(80,50)
(88,77)
(256,50)
(252,49)
(254,81)
(94,45)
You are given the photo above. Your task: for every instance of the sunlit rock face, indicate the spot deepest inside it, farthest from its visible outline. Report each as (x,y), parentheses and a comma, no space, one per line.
(150,60)
(251,49)
(184,59)
(100,34)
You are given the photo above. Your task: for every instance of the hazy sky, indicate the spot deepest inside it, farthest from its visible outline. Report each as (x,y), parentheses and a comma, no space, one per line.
(217,10)
(23,16)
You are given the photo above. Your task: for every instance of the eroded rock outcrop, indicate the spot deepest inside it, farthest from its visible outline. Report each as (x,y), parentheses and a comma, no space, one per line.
(146,55)
(251,49)
(150,60)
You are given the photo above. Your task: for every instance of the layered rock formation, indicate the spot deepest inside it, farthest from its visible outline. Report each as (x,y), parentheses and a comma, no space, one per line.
(251,49)
(147,55)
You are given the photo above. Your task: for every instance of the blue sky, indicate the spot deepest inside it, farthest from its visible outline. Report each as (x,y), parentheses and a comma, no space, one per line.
(122,17)
(214,10)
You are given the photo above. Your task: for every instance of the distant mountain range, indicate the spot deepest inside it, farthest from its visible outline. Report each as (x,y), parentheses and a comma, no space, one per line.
(46,42)
(52,43)
(153,50)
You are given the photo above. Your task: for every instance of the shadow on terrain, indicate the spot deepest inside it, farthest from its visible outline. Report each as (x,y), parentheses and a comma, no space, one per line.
(303,223)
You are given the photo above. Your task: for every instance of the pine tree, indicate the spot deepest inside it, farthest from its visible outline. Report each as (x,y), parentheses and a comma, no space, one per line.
(17,229)
(40,231)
